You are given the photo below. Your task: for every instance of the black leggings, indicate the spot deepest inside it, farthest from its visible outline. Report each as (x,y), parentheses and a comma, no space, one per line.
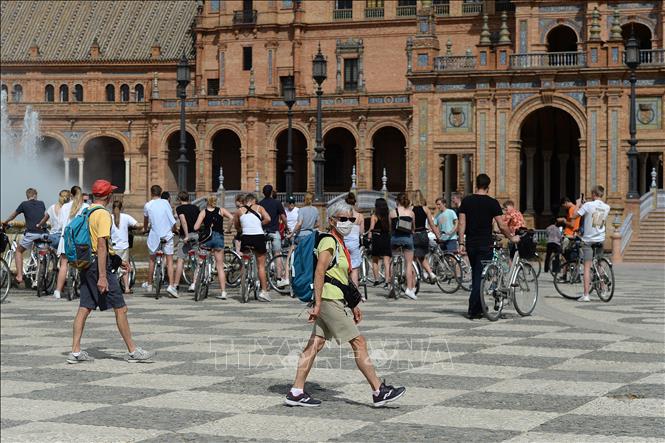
(552,248)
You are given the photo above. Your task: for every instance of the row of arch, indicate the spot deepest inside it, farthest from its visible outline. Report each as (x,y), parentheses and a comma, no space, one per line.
(77,94)
(563,38)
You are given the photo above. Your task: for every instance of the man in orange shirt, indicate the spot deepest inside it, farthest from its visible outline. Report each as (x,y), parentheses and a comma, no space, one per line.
(571,225)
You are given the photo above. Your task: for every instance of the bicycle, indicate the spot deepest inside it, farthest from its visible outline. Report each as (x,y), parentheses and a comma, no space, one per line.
(232,267)
(272,266)
(73,283)
(47,265)
(249,281)
(204,267)
(132,275)
(5,280)
(398,272)
(158,274)
(516,283)
(568,274)
(446,268)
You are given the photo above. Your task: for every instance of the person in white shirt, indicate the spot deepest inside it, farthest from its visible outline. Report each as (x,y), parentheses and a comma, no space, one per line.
(53,214)
(158,214)
(595,215)
(68,211)
(120,237)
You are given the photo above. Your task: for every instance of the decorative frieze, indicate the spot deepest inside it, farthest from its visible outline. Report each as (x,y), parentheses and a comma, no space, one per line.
(457,116)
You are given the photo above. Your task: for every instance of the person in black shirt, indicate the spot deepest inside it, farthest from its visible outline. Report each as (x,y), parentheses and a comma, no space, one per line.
(476,214)
(33,211)
(187,214)
(275,210)
(212,220)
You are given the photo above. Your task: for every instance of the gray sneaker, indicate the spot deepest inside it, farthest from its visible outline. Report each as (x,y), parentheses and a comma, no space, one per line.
(140,356)
(82,357)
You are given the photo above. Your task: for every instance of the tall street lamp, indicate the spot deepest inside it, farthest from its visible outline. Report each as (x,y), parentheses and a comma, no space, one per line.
(632,60)
(289,95)
(319,73)
(183,78)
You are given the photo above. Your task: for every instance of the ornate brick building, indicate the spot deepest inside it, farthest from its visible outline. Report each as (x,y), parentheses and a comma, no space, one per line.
(433,91)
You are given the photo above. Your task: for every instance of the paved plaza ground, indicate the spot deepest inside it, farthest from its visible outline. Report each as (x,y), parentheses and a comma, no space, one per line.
(571,372)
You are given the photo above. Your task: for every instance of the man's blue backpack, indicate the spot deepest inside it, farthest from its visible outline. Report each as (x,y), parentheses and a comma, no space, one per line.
(78,247)
(304,264)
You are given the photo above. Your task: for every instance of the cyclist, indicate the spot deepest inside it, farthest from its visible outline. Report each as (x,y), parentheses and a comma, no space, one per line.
(275,210)
(158,215)
(402,218)
(330,317)
(595,214)
(379,234)
(477,212)
(212,220)
(514,220)
(423,218)
(571,224)
(120,227)
(33,211)
(446,221)
(69,210)
(250,220)
(456,202)
(352,240)
(53,214)
(187,214)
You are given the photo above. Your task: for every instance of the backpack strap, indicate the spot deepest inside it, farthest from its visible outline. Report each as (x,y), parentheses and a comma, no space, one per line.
(334,260)
(250,210)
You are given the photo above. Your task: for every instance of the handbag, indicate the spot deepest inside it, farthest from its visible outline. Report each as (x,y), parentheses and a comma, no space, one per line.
(350,291)
(403,226)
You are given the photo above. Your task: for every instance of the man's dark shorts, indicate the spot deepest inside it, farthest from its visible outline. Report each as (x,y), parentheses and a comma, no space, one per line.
(90,296)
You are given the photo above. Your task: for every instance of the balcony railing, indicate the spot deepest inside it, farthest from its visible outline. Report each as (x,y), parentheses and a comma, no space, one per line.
(454,62)
(442,10)
(371,13)
(547,60)
(472,8)
(652,56)
(244,17)
(342,14)
(406,11)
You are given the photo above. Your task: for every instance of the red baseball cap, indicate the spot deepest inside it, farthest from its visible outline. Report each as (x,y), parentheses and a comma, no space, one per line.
(102,188)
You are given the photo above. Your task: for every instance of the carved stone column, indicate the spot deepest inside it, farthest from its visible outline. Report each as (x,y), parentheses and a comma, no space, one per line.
(128,174)
(530,155)
(447,168)
(547,210)
(81,160)
(66,160)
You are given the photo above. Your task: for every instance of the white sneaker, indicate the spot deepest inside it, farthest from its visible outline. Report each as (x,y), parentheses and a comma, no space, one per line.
(222,296)
(264,296)
(173,292)
(282,283)
(584,298)
(56,294)
(192,287)
(146,285)
(411,294)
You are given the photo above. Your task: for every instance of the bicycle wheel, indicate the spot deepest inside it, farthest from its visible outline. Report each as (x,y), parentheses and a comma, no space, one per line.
(198,284)
(5,280)
(41,276)
(132,272)
(446,270)
(525,293)
(604,279)
(52,273)
(245,282)
(490,294)
(157,279)
(73,284)
(465,275)
(273,276)
(397,274)
(417,275)
(568,278)
(232,267)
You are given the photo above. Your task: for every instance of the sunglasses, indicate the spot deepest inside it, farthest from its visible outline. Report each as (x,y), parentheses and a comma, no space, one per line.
(345,219)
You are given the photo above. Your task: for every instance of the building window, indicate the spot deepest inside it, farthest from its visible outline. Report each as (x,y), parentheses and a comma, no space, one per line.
(110,93)
(17,95)
(406,3)
(49,93)
(214,5)
(139,93)
(78,93)
(64,93)
(351,74)
(124,93)
(213,86)
(343,4)
(246,58)
(370,4)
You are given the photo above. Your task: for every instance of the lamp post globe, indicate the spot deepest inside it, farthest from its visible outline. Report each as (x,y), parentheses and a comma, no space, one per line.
(289,96)
(183,77)
(632,60)
(319,74)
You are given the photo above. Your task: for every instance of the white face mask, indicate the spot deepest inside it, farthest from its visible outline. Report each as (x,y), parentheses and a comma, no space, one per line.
(344,228)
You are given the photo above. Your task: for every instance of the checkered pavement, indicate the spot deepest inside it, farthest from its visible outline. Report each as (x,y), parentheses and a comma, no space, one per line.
(222,368)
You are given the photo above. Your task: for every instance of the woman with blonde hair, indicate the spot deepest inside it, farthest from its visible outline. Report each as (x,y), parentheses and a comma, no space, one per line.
(53,214)
(212,219)
(308,218)
(402,219)
(423,218)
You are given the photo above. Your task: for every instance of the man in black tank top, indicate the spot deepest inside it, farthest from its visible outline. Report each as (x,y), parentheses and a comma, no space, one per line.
(187,214)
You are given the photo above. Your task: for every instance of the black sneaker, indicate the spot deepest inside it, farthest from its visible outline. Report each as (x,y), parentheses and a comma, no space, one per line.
(387,394)
(303,399)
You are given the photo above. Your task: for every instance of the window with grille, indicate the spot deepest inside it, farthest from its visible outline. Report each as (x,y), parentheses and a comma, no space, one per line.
(351,74)
(246,58)
(213,86)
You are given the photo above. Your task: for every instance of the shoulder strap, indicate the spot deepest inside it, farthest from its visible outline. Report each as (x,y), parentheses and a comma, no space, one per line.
(249,209)
(334,260)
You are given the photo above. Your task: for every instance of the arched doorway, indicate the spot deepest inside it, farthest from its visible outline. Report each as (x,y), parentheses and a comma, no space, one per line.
(51,153)
(561,38)
(340,155)
(173,144)
(549,162)
(226,153)
(104,158)
(389,153)
(299,152)
(642,34)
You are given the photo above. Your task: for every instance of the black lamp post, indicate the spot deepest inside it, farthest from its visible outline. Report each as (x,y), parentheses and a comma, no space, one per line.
(632,60)
(183,77)
(289,94)
(319,73)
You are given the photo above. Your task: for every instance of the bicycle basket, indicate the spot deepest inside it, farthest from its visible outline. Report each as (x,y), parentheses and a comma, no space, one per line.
(527,246)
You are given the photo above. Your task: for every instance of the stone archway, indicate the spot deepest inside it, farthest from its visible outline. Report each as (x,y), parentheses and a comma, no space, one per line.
(340,153)
(299,153)
(173,146)
(641,31)
(389,153)
(226,153)
(104,158)
(549,162)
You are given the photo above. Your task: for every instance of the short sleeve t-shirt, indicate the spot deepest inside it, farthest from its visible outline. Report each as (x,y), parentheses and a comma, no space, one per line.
(100,225)
(339,272)
(595,214)
(568,232)
(274,209)
(120,233)
(445,221)
(479,210)
(308,216)
(553,234)
(191,213)
(54,219)
(292,218)
(33,212)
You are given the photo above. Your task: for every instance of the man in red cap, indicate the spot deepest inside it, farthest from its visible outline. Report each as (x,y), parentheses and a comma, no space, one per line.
(99,286)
